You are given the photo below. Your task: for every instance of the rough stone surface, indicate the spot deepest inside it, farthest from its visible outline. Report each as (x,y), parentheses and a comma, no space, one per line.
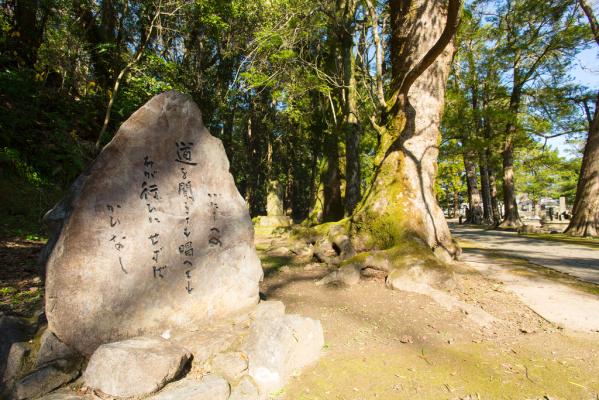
(268,309)
(210,387)
(232,366)
(346,275)
(51,349)
(134,367)
(67,396)
(155,235)
(245,390)
(274,199)
(205,344)
(16,358)
(279,346)
(42,381)
(12,330)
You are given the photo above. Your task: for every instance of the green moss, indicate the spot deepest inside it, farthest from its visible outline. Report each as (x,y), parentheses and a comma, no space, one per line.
(444,372)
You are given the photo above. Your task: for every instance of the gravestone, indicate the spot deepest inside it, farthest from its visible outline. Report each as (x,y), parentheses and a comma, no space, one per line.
(562,205)
(155,236)
(274,199)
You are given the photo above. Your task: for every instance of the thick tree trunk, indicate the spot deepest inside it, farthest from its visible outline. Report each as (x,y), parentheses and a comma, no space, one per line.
(494,201)
(30,18)
(585,215)
(331,181)
(347,98)
(485,187)
(352,149)
(511,217)
(475,215)
(401,203)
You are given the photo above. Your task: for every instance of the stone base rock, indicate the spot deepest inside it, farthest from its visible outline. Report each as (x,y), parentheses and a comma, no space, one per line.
(43,381)
(278,346)
(246,358)
(51,348)
(273,221)
(135,367)
(245,390)
(210,387)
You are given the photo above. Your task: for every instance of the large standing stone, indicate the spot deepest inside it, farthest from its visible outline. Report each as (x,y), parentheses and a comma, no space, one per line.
(156,235)
(134,367)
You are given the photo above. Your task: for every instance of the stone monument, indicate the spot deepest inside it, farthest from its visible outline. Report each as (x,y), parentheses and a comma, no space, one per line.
(275,213)
(153,272)
(157,234)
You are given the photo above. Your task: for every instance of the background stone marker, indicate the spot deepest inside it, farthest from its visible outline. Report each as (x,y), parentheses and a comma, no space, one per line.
(156,235)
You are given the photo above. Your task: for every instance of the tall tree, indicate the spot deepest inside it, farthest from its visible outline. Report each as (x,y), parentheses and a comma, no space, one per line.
(585,217)
(539,37)
(401,202)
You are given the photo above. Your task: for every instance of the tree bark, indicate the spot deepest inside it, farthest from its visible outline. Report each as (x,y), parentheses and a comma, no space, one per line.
(331,181)
(485,187)
(494,201)
(585,214)
(401,203)
(475,215)
(511,217)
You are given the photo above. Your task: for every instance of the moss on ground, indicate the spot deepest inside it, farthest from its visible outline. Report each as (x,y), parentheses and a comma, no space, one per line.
(480,370)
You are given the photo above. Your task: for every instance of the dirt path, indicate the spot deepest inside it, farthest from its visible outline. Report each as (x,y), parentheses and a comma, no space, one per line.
(384,344)
(579,261)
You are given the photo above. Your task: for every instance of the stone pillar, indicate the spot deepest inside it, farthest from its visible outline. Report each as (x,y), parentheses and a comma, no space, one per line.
(562,205)
(274,200)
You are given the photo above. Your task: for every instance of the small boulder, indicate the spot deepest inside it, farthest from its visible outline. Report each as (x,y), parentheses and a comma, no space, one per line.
(245,390)
(210,387)
(279,346)
(43,381)
(232,366)
(13,330)
(14,363)
(135,367)
(206,343)
(51,348)
(269,309)
(347,275)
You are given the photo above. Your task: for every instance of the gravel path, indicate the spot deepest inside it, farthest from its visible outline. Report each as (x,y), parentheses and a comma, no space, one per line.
(579,261)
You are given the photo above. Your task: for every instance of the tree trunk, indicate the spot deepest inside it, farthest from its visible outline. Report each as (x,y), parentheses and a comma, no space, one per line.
(456,203)
(28,29)
(331,181)
(511,217)
(494,202)
(585,214)
(401,203)
(350,126)
(485,187)
(475,215)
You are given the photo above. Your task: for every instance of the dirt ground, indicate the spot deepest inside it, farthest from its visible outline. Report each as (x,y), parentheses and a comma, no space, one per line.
(21,288)
(386,344)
